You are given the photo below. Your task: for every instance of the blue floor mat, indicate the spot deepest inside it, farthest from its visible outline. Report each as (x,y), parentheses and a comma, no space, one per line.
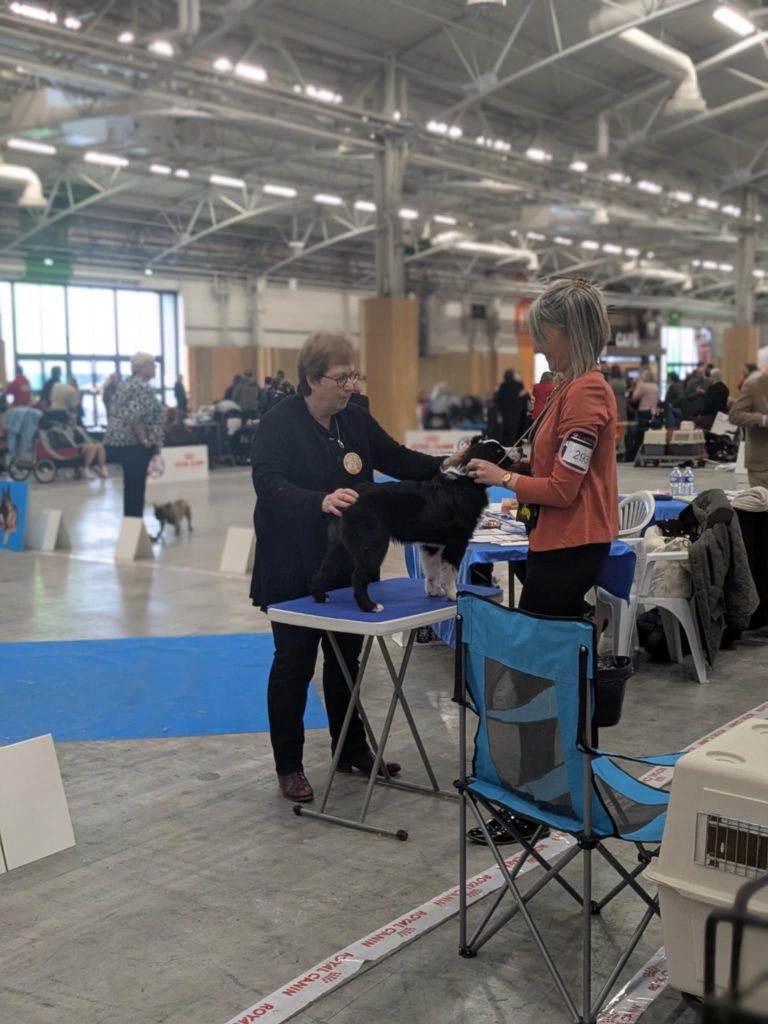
(139,689)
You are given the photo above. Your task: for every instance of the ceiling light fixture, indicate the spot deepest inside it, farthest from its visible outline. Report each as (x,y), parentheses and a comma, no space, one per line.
(730,210)
(182,172)
(682,196)
(588,243)
(632,252)
(315,92)
(650,255)
(47,262)
(734,20)
(651,187)
(324,199)
(159,169)
(162,48)
(225,181)
(105,159)
(365,206)
(36,13)
(444,218)
(579,166)
(406,213)
(126,37)
(695,263)
(758,273)
(148,271)
(223,65)
(619,178)
(727,268)
(562,240)
(613,250)
(437,127)
(709,264)
(280,190)
(707,204)
(72,22)
(540,155)
(535,236)
(30,146)
(251,72)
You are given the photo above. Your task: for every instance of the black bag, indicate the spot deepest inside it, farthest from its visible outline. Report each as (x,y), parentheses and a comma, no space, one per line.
(610,685)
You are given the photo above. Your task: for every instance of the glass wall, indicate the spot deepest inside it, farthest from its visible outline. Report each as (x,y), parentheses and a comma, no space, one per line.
(90,333)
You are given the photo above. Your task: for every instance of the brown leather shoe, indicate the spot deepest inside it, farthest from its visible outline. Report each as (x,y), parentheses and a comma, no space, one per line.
(295,786)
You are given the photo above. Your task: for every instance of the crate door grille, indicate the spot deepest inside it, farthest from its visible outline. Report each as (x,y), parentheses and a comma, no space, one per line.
(727,844)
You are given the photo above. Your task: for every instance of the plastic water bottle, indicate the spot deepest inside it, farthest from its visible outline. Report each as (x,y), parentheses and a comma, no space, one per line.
(688,481)
(676,482)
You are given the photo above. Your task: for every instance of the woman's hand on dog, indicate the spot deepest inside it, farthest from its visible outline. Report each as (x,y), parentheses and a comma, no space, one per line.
(489,474)
(337,501)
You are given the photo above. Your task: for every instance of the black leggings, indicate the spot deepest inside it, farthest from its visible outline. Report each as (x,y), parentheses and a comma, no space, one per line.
(135,460)
(289,678)
(556,581)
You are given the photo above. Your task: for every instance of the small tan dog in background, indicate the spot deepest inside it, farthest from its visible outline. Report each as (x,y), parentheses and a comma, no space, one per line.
(172,512)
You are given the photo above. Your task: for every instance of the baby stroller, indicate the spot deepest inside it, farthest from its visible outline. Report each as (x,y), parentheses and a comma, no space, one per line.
(54,451)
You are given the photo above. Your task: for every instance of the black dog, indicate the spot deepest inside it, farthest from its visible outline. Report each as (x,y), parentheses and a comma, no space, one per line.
(440,514)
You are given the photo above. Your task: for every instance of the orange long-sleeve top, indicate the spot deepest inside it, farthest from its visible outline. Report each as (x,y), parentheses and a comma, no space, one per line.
(573,463)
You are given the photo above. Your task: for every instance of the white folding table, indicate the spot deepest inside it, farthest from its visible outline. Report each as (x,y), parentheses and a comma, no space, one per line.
(406,609)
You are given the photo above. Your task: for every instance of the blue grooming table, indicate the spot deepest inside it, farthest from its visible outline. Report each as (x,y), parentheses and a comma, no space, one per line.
(405,609)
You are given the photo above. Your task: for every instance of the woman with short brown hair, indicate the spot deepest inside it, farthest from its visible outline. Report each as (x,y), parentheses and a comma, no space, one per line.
(310,453)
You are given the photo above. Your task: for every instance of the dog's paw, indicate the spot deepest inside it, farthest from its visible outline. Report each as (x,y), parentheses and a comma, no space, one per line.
(450,593)
(432,588)
(378,608)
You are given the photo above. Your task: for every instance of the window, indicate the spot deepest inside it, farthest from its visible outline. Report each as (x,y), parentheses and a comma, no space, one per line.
(90,333)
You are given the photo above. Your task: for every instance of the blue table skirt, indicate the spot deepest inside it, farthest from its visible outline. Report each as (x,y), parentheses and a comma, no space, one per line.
(616,577)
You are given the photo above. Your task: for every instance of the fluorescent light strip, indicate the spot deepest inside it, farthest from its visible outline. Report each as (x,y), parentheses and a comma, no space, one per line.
(72,22)
(251,72)
(182,172)
(727,268)
(365,206)
(709,264)
(30,146)
(225,181)
(649,186)
(590,244)
(619,178)
(324,199)
(541,155)
(734,20)
(280,190)
(535,236)
(35,13)
(682,196)
(707,204)
(126,38)
(632,252)
(105,159)
(562,240)
(159,169)
(730,210)
(611,249)
(162,48)
(443,218)
(408,214)
(223,64)
(579,166)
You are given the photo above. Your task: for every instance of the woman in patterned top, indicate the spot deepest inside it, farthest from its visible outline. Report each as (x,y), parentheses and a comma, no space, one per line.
(135,430)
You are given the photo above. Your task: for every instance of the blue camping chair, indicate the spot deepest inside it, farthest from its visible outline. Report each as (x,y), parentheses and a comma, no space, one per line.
(529,680)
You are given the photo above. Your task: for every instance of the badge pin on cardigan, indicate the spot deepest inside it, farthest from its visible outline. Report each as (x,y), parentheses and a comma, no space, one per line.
(439,514)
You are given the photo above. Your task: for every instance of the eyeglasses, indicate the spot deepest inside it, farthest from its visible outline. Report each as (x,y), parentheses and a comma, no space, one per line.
(343,379)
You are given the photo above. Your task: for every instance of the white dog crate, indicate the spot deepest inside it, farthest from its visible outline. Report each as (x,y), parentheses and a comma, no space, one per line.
(687,443)
(715,838)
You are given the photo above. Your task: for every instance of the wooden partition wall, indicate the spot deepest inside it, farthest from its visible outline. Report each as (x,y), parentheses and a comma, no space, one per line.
(740,346)
(389,333)
(212,369)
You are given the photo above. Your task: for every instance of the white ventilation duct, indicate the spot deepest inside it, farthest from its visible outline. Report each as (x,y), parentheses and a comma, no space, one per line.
(649,50)
(33,189)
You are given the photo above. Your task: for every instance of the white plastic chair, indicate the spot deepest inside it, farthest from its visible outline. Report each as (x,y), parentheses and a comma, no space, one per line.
(635,513)
(622,613)
(675,612)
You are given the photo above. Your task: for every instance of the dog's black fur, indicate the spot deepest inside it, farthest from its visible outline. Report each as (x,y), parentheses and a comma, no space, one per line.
(440,514)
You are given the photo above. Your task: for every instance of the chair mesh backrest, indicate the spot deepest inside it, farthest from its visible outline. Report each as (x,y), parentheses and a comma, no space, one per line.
(635,512)
(522,675)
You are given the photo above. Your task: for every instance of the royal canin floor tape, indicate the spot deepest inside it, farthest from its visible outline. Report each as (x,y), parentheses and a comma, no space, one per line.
(626,1006)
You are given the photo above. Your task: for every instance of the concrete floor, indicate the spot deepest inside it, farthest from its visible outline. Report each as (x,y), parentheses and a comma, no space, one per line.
(193,889)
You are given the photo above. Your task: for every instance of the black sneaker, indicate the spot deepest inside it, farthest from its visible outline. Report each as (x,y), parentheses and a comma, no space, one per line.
(501,835)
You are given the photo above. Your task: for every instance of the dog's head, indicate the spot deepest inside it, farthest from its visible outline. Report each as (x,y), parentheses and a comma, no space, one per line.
(162,513)
(487,449)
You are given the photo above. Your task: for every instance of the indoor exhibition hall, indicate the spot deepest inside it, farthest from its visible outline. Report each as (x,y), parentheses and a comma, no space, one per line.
(384,511)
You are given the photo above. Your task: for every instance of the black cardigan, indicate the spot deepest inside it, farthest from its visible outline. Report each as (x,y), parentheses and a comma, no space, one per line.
(295,463)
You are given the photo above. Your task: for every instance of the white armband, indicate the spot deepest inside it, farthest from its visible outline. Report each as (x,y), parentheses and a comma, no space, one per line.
(577,449)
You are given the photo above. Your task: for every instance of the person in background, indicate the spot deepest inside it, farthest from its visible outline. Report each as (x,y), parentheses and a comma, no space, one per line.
(511,402)
(247,394)
(673,401)
(439,408)
(20,388)
(618,386)
(64,402)
(91,451)
(180,395)
(230,391)
(696,386)
(750,410)
(108,392)
(542,391)
(310,453)
(645,397)
(715,400)
(45,394)
(746,373)
(135,430)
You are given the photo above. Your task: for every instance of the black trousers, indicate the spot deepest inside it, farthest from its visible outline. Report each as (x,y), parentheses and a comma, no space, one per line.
(135,459)
(556,581)
(289,679)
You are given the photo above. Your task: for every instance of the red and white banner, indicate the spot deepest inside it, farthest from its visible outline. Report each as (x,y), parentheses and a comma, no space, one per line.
(179,465)
(438,442)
